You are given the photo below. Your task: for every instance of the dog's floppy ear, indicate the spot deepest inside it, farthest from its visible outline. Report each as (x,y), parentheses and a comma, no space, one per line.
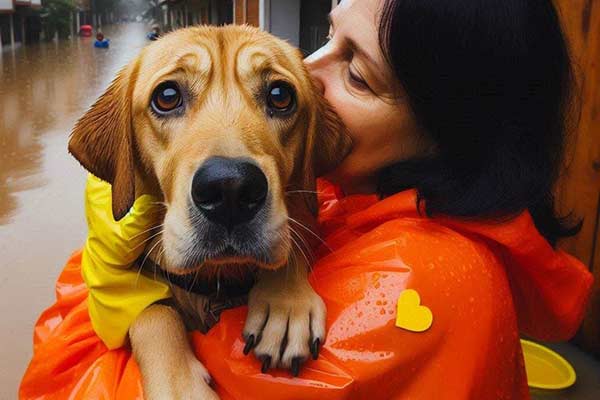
(331,141)
(327,144)
(102,141)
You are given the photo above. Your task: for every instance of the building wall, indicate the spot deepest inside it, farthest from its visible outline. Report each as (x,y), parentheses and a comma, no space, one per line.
(4,29)
(314,25)
(239,16)
(214,12)
(252,12)
(246,11)
(6,5)
(285,20)
(224,11)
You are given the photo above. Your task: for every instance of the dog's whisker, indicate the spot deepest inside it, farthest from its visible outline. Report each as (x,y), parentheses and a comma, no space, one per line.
(148,239)
(302,238)
(137,277)
(169,281)
(295,265)
(144,261)
(311,232)
(297,239)
(190,287)
(159,260)
(300,248)
(288,237)
(149,252)
(305,227)
(147,230)
(308,248)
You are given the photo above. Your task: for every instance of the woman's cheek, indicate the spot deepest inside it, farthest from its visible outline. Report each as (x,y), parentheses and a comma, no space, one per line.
(367,125)
(349,110)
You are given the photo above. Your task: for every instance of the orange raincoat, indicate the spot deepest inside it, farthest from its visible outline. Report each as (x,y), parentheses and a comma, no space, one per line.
(483,282)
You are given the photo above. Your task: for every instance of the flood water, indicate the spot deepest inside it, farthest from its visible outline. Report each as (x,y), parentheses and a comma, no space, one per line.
(44,88)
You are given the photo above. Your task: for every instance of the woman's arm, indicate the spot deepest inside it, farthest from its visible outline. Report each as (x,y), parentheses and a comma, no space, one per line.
(117,292)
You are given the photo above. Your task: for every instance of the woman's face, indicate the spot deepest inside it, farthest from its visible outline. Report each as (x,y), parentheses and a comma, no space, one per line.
(359,83)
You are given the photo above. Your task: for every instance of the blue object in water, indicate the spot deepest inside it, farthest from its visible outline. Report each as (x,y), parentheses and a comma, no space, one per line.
(102,43)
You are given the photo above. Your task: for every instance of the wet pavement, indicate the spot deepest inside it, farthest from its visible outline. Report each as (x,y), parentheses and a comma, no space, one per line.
(44,88)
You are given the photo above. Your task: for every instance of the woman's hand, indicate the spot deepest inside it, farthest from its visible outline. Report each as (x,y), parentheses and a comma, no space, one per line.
(117,243)
(118,292)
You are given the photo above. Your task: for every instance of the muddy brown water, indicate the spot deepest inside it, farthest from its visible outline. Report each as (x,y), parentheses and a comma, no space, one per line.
(44,88)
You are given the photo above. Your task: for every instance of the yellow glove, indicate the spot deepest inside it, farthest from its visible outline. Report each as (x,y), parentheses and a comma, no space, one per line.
(117,292)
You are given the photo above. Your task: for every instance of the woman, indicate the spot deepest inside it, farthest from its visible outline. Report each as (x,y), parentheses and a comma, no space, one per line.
(443,210)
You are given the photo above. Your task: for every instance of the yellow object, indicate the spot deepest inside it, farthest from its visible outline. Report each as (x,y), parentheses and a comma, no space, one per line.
(117,292)
(410,315)
(545,368)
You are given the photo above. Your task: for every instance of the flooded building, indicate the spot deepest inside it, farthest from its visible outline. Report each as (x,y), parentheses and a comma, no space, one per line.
(19,22)
(30,20)
(83,14)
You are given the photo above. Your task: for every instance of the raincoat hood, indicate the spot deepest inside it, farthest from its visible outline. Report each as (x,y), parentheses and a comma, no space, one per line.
(550,288)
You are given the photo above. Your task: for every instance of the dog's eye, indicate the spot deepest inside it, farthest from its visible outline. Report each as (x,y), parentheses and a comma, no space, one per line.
(166,98)
(280,97)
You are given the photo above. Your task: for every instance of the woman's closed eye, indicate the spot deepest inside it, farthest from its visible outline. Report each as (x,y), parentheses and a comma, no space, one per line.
(357,81)
(354,77)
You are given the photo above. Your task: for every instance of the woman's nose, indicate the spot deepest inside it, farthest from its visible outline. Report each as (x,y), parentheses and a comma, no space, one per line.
(317,64)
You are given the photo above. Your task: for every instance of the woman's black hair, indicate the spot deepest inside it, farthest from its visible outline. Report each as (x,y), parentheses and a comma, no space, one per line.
(490,82)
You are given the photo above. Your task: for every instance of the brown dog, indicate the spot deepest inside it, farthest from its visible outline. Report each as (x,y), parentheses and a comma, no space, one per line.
(226,127)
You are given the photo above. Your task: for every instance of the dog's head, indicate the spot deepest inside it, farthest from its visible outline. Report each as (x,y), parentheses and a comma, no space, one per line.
(224,124)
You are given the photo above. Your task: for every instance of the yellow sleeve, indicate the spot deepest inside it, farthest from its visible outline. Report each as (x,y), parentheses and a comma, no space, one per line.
(117,291)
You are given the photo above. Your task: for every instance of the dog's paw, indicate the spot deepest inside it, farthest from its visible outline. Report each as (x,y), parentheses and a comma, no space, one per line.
(285,324)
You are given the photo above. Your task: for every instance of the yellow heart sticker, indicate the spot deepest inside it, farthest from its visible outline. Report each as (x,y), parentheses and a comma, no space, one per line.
(410,315)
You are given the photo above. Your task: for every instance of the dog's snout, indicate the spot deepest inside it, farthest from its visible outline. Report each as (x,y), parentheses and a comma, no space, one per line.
(229,191)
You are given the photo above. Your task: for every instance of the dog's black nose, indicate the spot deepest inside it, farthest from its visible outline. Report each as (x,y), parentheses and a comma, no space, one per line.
(229,191)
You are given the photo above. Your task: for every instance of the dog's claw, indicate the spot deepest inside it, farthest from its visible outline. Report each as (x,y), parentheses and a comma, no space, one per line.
(314,348)
(296,365)
(266,364)
(249,344)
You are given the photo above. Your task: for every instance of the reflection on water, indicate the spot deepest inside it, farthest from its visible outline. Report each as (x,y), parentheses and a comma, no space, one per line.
(44,88)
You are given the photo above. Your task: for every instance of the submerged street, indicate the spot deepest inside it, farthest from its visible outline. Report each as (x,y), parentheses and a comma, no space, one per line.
(44,88)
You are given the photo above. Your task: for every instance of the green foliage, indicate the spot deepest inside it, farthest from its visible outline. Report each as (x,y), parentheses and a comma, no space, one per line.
(56,17)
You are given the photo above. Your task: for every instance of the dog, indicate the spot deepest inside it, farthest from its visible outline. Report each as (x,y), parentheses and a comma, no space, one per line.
(224,125)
